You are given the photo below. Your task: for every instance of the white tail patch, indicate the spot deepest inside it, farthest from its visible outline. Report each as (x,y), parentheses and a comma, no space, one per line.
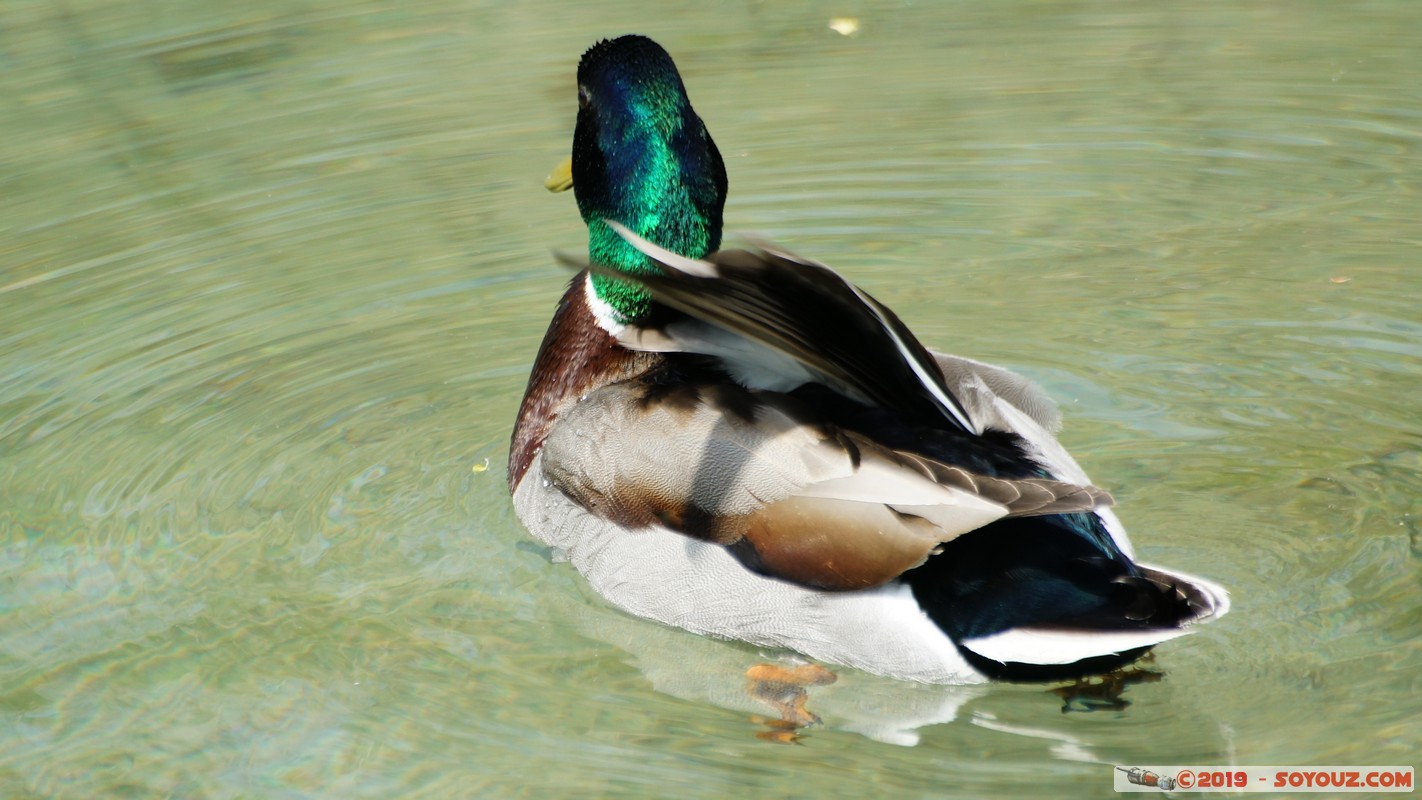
(1056,646)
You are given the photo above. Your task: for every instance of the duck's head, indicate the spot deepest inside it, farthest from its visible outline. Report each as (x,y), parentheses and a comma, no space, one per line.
(642,157)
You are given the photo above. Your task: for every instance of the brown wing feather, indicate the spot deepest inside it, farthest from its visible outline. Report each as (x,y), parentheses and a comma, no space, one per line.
(1023,497)
(835,544)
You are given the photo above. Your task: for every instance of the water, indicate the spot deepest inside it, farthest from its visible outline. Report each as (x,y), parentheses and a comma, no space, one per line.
(272,276)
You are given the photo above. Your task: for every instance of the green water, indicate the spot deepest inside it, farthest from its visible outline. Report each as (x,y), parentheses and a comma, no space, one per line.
(272,276)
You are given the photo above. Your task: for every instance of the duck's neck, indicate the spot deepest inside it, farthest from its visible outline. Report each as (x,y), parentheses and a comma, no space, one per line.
(660,176)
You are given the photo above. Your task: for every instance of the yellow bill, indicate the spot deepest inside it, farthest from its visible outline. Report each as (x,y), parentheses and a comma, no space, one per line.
(561,178)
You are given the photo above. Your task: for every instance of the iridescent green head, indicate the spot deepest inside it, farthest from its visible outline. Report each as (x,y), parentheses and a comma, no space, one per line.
(642,157)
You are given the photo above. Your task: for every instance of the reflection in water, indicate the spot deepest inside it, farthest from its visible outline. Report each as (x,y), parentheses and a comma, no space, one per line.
(273,274)
(707,671)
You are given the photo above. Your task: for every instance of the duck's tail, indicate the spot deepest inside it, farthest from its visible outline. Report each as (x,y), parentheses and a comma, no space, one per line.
(1054,607)
(1100,642)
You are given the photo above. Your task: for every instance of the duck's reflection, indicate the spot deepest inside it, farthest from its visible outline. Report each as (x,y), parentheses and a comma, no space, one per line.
(786,699)
(781,696)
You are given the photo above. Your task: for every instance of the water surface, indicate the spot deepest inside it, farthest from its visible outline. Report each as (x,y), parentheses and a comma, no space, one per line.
(273,274)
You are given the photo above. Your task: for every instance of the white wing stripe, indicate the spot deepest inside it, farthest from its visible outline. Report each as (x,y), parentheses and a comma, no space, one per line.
(924,376)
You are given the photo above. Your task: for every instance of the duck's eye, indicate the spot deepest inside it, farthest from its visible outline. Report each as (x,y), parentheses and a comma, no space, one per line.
(582,97)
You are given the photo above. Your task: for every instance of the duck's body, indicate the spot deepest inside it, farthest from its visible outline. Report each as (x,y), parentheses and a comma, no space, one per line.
(749,447)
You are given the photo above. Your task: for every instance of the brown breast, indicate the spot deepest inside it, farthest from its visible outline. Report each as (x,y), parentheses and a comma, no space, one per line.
(576,357)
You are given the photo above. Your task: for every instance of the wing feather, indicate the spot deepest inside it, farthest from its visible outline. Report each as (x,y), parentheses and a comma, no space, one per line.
(811,313)
(762,474)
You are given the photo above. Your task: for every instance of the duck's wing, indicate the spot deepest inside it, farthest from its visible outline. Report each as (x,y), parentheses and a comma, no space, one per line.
(763,475)
(978,385)
(806,311)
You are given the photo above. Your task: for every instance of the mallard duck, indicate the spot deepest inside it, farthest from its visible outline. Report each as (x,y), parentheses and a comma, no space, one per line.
(744,444)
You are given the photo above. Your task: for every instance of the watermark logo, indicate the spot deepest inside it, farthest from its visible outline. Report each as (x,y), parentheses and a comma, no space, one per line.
(1337,780)
(1144,777)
